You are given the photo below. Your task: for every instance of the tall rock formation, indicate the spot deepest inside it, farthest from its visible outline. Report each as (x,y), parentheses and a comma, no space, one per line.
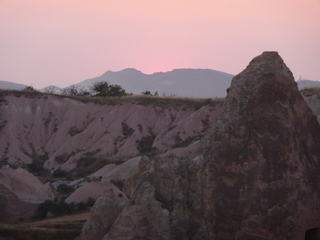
(263,154)
(255,174)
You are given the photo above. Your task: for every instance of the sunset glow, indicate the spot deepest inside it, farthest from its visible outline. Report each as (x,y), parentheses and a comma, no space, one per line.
(56,42)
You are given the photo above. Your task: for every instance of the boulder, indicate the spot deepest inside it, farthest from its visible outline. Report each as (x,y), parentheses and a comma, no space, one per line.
(103,214)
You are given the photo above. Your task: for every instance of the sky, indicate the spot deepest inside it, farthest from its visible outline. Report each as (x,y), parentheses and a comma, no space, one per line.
(63,42)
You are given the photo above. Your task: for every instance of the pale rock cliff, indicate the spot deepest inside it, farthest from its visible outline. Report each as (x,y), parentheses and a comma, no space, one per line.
(58,131)
(20,194)
(255,174)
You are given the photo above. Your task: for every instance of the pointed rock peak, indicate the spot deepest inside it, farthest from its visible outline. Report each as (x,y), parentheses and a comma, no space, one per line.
(264,138)
(266,76)
(268,61)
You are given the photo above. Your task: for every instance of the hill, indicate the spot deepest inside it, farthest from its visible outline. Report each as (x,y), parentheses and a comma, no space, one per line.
(307,84)
(11,85)
(200,83)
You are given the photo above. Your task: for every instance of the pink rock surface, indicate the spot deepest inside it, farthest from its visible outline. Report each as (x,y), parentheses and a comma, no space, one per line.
(92,189)
(20,194)
(62,130)
(24,185)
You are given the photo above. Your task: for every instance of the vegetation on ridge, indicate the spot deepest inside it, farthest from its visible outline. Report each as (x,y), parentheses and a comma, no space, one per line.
(172,102)
(310,91)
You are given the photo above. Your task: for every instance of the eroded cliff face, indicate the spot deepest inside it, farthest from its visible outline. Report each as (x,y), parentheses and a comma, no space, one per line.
(20,194)
(56,131)
(66,133)
(255,174)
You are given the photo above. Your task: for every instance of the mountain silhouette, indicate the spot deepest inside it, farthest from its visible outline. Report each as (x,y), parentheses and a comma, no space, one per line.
(203,83)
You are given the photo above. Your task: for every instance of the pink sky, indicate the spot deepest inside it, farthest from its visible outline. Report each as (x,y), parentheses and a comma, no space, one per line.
(62,42)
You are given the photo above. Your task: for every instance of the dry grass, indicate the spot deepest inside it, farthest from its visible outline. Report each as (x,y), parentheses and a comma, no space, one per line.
(160,101)
(165,102)
(62,228)
(24,93)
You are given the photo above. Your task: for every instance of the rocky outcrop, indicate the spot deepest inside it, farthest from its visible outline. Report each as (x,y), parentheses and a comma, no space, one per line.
(12,208)
(255,174)
(105,176)
(104,213)
(263,154)
(20,194)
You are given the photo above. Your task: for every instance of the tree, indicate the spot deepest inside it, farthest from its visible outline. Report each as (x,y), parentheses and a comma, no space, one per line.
(74,90)
(53,209)
(50,89)
(100,88)
(64,189)
(28,88)
(105,89)
(116,91)
(147,93)
(90,201)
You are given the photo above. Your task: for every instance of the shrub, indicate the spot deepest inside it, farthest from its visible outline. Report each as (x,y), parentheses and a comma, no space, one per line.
(145,145)
(64,189)
(105,89)
(118,183)
(62,158)
(52,209)
(37,168)
(73,131)
(59,173)
(90,201)
(126,130)
(74,90)
(184,143)
(90,164)
(147,93)
(310,91)
(81,206)
(28,88)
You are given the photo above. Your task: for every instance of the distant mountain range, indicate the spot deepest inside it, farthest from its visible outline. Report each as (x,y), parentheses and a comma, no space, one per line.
(200,83)
(11,85)
(307,83)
